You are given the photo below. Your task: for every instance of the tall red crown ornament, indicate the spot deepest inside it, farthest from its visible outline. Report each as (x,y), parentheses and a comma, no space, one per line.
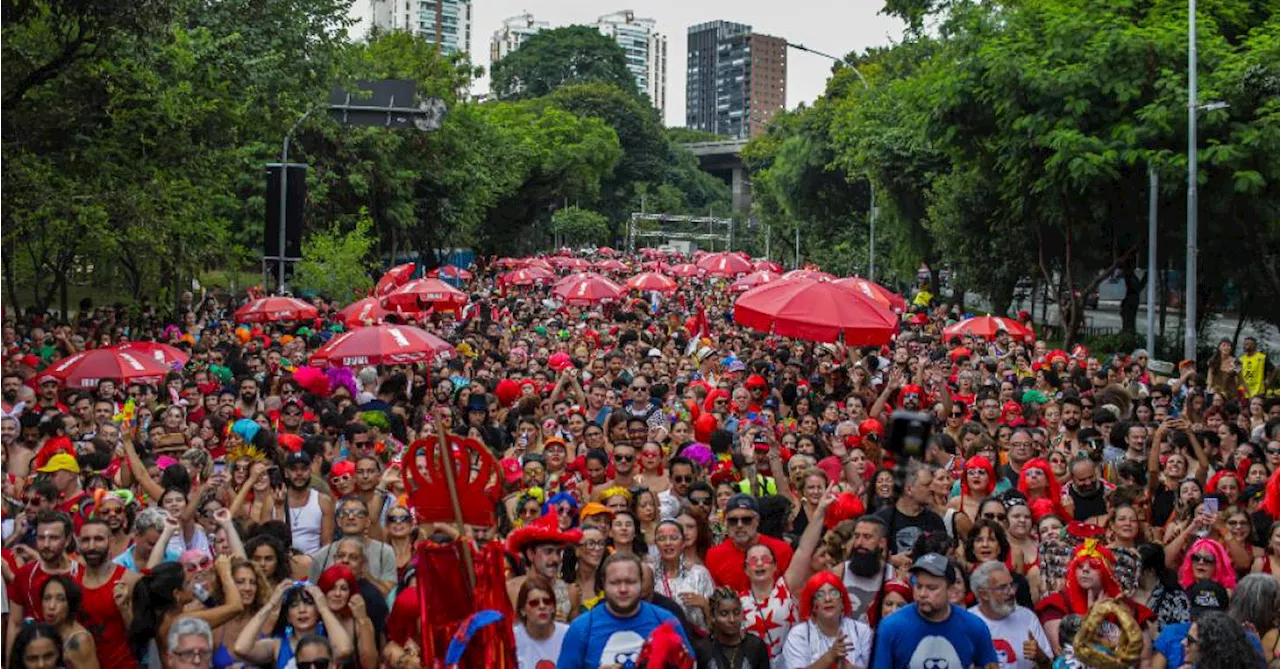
(450,479)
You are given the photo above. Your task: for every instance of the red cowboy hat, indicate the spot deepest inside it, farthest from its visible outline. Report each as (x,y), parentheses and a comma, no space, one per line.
(544,530)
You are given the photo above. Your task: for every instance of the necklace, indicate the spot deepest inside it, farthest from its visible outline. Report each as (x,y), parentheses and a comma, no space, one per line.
(732,659)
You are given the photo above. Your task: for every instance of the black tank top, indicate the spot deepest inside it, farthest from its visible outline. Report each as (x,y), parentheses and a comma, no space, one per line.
(1088,506)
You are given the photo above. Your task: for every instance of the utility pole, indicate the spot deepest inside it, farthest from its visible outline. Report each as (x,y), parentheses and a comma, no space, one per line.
(1189,315)
(1153,185)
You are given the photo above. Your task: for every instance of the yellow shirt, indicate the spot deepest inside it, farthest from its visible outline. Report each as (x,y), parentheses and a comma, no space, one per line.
(1253,367)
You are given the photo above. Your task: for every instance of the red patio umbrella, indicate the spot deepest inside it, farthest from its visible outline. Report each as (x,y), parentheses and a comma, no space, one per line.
(606,252)
(411,296)
(586,289)
(767,265)
(654,266)
(685,270)
(364,312)
(571,264)
(647,281)
(87,368)
(651,252)
(169,356)
(450,272)
(813,274)
(529,276)
(610,265)
(724,264)
(383,345)
(539,262)
(510,263)
(394,278)
(988,327)
(756,278)
(275,308)
(876,292)
(815,311)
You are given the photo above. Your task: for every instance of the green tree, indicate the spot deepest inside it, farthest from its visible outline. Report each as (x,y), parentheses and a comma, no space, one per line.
(337,264)
(578,227)
(562,56)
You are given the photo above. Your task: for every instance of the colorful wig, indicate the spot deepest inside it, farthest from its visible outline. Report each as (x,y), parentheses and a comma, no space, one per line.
(814,584)
(1055,488)
(978,462)
(330,577)
(1223,571)
(1101,560)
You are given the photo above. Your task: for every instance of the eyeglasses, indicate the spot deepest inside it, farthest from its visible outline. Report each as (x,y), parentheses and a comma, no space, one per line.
(1005,589)
(197,655)
(194,567)
(825,594)
(1237,523)
(1203,558)
(700,500)
(957,414)
(399,518)
(999,517)
(639,389)
(739,520)
(1273,451)
(684,478)
(360,444)
(34,500)
(618,457)
(593,544)
(539,602)
(114,511)
(322,663)
(760,561)
(353,513)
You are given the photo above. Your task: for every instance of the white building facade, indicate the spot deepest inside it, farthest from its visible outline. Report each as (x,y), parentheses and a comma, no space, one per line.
(646,51)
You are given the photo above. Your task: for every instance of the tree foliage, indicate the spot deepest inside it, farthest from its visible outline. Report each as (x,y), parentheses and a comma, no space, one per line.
(577,226)
(337,263)
(559,57)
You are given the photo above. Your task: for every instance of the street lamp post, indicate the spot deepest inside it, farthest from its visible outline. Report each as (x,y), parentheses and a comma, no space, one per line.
(1189,315)
(871,246)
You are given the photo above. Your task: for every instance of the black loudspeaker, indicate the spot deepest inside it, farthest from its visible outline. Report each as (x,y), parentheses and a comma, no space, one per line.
(297,196)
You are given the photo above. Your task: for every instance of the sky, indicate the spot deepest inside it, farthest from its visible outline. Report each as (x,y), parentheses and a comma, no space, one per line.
(836,28)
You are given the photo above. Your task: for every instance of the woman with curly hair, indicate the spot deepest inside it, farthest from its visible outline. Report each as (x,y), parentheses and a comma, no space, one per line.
(1216,641)
(729,645)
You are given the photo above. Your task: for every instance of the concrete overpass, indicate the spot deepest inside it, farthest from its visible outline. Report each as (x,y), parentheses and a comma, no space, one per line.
(724,159)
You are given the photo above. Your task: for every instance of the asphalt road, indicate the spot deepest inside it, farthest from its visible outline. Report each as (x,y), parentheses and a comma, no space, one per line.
(1107,315)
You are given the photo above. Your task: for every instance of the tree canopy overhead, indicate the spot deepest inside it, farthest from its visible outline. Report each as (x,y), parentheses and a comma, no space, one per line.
(558,57)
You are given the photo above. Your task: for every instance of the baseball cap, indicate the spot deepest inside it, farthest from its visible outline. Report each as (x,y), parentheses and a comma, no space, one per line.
(1206,595)
(61,462)
(742,502)
(298,458)
(935,564)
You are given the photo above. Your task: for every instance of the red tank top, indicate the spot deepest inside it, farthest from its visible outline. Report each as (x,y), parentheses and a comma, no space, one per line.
(104,622)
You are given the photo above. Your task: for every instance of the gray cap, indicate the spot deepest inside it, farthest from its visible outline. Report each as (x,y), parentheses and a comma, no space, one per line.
(933,563)
(742,501)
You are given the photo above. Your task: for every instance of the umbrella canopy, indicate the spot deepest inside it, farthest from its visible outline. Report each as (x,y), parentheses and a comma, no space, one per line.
(686,270)
(768,265)
(815,311)
(364,312)
(411,296)
(756,278)
(450,272)
(540,263)
(812,274)
(529,276)
(394,278)
(647,281)
(651,252)
(585,289)
(383,344)
(876,292)
(606,252)
(610,265)
(169,356)
(510,263)
(275,308)
(724,264)
(988,327)
(571,264)
(654,266)
(87,368)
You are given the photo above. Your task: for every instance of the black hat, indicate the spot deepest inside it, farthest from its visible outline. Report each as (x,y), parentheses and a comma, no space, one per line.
(298,458)
(743,502)
(1206,595)
(478,402)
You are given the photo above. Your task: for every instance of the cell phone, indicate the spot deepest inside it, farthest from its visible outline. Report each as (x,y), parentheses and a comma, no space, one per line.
(219,467)
(1211,505)
(276,477)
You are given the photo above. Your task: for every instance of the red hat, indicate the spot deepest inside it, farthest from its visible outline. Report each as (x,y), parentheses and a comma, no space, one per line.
(544,530)
(869,426)
(756,381)
(290,442)
(961,352)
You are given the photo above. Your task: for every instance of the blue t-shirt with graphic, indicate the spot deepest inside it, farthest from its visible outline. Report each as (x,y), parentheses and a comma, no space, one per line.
(906,640)
(599,638)
(1169,644)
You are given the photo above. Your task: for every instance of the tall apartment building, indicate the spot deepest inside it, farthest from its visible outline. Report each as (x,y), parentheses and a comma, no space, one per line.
(736,79)
(445,23)
(512,34)
(646,51)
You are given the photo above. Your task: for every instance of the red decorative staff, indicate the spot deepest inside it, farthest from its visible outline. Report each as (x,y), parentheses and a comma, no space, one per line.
(450,479)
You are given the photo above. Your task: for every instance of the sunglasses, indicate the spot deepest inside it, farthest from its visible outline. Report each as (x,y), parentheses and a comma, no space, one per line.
(739,520)
(33,501)
(700,501)
(682,479)
(195,567)
(399,518)
(322,663)
(353,513)
(1203,558)
(539,602)
(623,458)
(760,561)
(1273,451)
(999,517)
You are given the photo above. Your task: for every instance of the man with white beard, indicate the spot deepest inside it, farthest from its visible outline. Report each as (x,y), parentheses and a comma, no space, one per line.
(1018,637)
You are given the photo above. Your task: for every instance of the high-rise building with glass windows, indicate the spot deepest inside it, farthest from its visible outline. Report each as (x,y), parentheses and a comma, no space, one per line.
(646,51)
(445,23)
(736,80)
(512,34)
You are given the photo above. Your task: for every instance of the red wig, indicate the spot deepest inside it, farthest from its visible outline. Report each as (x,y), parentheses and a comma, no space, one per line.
(338,572)
(1271,499)
(1100,559)
(1212,487)
(815,583)
(1055,488)
(903,590)
(978,462)
(709,403)
(346,467)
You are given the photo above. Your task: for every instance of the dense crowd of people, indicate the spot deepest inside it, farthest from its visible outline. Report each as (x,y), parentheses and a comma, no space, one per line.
(674,489)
